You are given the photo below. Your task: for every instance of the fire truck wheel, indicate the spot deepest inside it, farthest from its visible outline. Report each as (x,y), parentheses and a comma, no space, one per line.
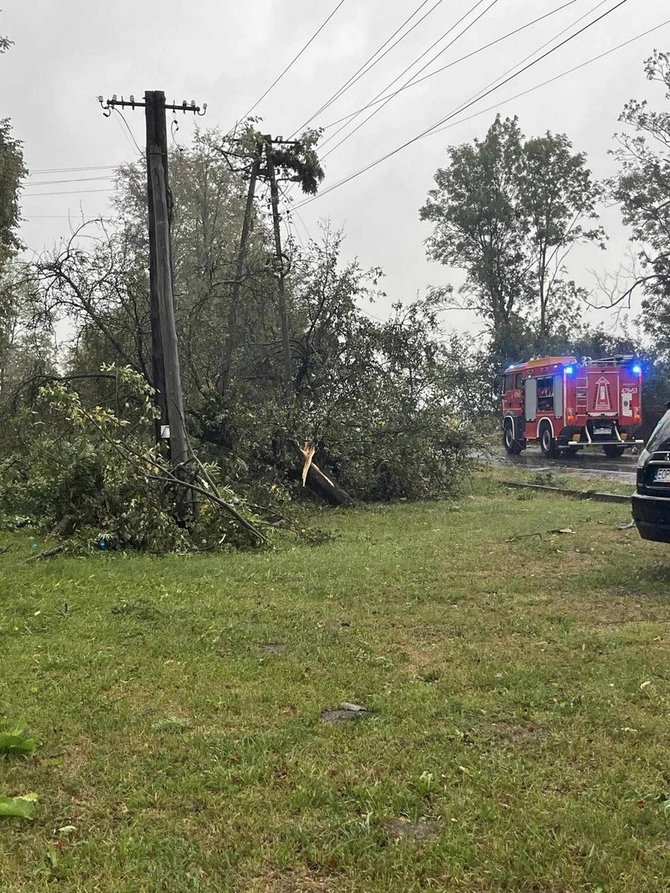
(512,446)
(547,443)
(613,452)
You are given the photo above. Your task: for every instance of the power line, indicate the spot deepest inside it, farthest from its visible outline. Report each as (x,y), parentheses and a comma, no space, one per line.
(475,52)
(60,217)
(75,180)
(423,68)
(128,128)
(490,84)
(371,61)
(557,77)
(69,170)
(68,192)
(293,61)
(462,108)
(288,211)
(545,44)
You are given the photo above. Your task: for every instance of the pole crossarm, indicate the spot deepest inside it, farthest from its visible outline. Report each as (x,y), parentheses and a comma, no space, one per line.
(108,104)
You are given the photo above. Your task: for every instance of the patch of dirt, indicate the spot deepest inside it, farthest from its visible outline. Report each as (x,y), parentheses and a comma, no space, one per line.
(273,647)
(346,713)
(504,732)
(403,829)
(295,880)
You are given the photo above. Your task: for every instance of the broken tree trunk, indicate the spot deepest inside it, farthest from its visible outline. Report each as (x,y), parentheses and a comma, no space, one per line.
(317,481)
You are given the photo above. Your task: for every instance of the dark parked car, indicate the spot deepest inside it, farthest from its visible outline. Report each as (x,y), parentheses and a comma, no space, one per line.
(651,502)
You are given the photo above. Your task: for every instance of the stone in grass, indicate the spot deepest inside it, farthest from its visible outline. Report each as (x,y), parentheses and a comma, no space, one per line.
(346,712)
(403,829)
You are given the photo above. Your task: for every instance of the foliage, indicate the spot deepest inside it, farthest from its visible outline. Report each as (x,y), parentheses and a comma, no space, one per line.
(99,280)
(93,475)
(642,187)
(12,170)
(18,807)
(375,397)
(300,162)
(26,337)
(295,160)
(508,210)
(16,742)
(11,173)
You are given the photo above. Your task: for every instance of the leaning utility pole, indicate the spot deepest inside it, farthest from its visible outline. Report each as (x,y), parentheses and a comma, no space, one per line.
(231,334)
(165,349)
(281,285)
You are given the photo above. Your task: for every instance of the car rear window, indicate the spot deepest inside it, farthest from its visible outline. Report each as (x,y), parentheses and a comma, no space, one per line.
(661,435)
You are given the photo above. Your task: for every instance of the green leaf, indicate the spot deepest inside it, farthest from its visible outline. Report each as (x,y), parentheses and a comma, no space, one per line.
(16,742)
(18,807)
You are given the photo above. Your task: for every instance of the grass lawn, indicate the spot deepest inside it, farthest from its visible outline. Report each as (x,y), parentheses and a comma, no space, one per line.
(518,735)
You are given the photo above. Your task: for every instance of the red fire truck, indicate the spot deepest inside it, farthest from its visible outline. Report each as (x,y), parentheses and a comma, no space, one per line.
(568,405)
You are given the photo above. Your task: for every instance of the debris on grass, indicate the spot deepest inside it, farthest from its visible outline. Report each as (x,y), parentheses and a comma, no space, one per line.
(346,712)
(18,807)
(16,742)
(555,531)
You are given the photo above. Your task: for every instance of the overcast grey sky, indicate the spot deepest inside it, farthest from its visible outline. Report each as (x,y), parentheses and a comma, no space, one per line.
(68,51)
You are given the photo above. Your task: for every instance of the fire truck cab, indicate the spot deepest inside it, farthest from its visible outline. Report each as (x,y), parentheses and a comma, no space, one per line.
(568,405)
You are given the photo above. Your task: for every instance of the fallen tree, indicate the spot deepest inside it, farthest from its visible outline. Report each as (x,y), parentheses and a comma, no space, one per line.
(94,476)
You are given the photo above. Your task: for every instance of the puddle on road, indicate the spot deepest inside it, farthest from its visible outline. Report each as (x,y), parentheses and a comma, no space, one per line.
(583,464)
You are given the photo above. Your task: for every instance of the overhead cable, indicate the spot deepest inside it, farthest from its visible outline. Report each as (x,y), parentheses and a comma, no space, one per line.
(556,77)
(68,192)
(463,107)
(293,61)
(75,180)
(490,84)
(416,81)
(423,68)
(68,170)
(371,61)
(545,44)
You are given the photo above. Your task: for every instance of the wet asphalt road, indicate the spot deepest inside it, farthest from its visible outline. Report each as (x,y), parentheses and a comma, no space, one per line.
(586,463)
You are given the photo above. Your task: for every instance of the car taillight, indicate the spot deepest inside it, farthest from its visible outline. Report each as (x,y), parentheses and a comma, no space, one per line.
(636,414)
(572,418)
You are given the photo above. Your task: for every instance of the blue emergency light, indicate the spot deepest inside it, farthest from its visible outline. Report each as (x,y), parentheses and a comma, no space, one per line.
(569,370)
(636,369)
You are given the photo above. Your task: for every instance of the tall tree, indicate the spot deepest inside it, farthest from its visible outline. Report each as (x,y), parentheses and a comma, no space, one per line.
(508,210)
(642,186)
(25,344)
(11,172)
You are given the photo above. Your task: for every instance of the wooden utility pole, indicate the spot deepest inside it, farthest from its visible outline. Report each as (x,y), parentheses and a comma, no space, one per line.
(231,334)
(161,285)
(156,137)
(287,372)
(164,344)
